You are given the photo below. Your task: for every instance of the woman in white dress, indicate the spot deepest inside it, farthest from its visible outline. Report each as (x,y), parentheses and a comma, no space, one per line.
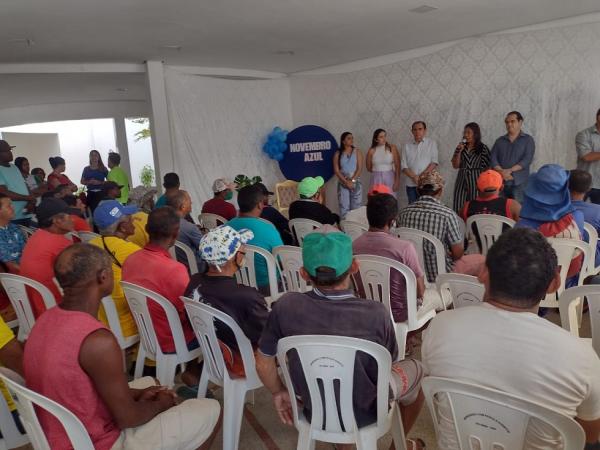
(383,161)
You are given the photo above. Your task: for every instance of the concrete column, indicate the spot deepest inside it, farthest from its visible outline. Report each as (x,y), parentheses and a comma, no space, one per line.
(122,146)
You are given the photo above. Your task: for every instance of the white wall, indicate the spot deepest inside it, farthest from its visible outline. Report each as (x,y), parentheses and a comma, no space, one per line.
(36,147)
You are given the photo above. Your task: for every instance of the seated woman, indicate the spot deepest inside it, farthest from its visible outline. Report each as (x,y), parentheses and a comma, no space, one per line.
(547,208)
(57,177)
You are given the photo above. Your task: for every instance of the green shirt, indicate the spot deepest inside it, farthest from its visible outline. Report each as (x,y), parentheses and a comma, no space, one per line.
(119,176)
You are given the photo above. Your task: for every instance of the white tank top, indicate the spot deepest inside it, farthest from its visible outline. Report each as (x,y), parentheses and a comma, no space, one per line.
(383,160)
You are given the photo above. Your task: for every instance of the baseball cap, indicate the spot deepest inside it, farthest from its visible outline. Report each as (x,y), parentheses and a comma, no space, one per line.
(490,180)
(310,185)
(108,185)
(110,211)
(264,189)
(50,207)
(331,250)
(380,189)
(222,184)
(431,178)
(5,146)
(220,244)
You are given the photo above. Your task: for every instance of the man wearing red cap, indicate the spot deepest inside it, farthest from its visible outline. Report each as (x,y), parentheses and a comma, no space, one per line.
(489,201)
(360,214)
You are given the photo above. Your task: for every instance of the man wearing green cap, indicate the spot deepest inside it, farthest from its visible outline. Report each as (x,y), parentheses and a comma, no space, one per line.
(332,309)
(310,205)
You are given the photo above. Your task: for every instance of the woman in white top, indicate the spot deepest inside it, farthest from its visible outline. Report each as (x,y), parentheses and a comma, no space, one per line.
(383,161)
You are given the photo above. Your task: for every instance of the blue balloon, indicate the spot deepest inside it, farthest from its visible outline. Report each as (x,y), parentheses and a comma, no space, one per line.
(275,146)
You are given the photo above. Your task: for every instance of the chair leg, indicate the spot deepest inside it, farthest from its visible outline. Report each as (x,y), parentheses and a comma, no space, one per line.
(139,362)
(165,370)
(304,440)
(397,430)
(234,394)
(203,385)
(367,440)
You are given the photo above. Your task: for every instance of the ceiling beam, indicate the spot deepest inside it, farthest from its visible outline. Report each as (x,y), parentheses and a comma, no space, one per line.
(71,68)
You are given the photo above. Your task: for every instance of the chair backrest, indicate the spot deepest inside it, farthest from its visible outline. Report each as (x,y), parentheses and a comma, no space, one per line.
(465,290)
(593,242)
(374,274)
(202,317)
(27,399)
(16,289)
(137,299)
(565,251)
(492,420)
(190,256)
(27,231)
(112,317)
(352,228)
(489,228)
(247,274)
(424,242)
(87,236)
(210,221)
(302,227)
(570,304)
(328,365)
(289,262)
(286,193)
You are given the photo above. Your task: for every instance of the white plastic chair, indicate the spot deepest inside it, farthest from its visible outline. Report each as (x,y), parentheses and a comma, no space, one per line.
(115,326)
(27,231)
(374,273)
(326,362)
(166,364)
(593,242)
(489,227)
(419,239)
(11,436)
(190,256)
(247,274)
(565,250)
(464,290)
(27,400)
(87,236)
(491,419)
(302,227)
(16,289)
(211,221)
(202,318)
(570,306)
(289,262)
(352,228)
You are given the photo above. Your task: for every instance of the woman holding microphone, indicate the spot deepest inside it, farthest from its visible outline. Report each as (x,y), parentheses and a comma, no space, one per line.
(471,157)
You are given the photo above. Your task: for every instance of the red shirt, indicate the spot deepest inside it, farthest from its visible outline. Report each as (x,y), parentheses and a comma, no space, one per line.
(58,180)
(37,263)
(80,224)
(220,207)
(153,268)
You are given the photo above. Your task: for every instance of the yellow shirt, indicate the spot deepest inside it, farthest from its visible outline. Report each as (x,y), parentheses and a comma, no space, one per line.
(140,237)
(6,335)
(121,250)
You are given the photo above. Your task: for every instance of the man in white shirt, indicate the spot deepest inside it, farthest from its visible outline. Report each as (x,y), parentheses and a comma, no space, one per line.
(418,157)
(503,344)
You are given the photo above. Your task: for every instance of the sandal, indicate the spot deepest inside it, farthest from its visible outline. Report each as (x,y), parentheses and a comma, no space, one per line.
(416,444)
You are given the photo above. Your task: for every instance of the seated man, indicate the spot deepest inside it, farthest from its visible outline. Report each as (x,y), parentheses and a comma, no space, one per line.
(332,309)
(223,191)
(154,269)
(171,185)
(76,361)
(310,205)
(503,344)
(580,183)
(250,201)
(189,233)
(489,200)
(12,240)
(115,224)
(360,214)
(382,210)
(43,247)
(429,214)
(223,250)
(77,212)
(275,217)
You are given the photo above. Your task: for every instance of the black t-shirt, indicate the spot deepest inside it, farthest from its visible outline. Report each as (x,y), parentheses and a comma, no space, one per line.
(334,313)
(244,304)
(281,223)
(310,209)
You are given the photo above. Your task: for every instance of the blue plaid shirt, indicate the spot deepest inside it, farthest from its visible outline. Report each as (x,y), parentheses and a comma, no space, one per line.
(12,242)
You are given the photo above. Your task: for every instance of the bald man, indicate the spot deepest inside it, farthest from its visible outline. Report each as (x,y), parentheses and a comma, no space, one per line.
(73,359)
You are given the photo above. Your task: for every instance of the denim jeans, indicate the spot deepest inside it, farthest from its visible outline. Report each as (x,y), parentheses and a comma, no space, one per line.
(411,194)
(515,192)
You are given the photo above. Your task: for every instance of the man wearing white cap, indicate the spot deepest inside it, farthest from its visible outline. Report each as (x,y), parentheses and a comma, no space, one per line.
(223,250)
(223,191)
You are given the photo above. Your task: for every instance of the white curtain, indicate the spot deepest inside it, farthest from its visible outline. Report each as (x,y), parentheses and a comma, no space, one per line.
(218,127)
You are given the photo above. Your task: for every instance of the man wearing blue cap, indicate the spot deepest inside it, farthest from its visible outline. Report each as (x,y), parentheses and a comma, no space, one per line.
(332,309)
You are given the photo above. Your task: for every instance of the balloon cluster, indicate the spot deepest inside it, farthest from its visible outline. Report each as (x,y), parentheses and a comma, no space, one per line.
(275,146)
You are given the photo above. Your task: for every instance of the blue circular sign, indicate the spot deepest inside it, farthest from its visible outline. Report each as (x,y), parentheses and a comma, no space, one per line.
(309,154)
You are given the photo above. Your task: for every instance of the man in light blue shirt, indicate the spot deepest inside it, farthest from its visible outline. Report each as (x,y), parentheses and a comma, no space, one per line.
(13,185)
(250,201)
(580,183)
(512,155)
(587,143)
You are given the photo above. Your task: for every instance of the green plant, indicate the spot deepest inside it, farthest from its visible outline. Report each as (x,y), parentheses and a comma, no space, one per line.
(242,180)
(144,133)
(147,176)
